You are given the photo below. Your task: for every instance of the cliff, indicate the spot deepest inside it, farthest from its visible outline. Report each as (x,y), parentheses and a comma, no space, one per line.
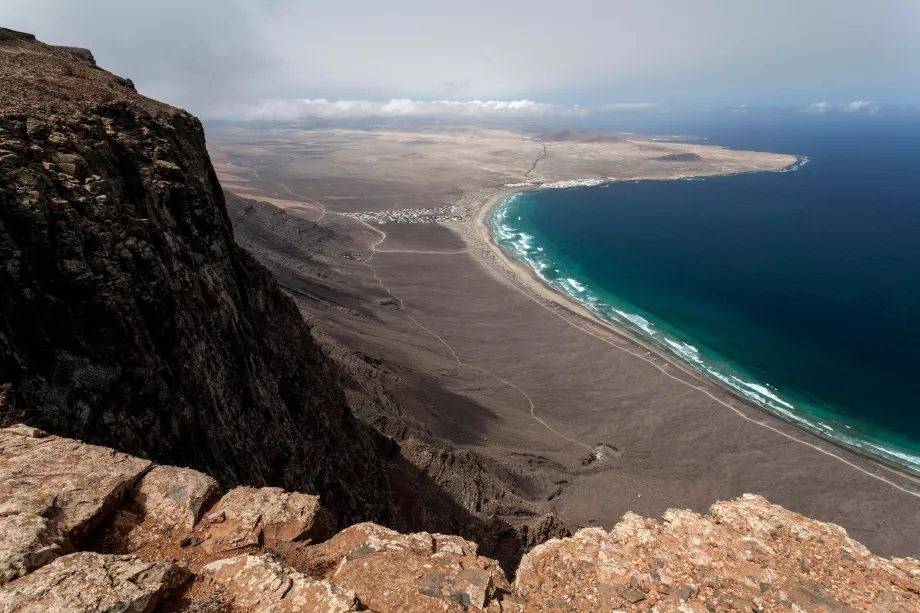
(84,528)
(128,315)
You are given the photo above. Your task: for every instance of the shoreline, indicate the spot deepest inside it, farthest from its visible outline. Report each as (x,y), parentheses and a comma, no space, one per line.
(515,270)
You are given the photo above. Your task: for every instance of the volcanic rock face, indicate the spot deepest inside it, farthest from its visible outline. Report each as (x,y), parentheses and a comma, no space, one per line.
(130,318)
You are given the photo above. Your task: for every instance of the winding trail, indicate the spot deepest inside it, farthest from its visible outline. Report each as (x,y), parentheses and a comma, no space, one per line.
(536,161)
(322,207)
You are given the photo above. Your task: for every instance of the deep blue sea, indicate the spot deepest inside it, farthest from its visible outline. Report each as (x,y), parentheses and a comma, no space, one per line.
(800,290)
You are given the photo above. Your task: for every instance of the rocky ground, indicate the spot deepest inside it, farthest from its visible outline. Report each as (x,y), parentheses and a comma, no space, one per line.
(85,528)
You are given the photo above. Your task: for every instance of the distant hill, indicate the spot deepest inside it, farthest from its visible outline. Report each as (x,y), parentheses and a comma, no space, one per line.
(679,157)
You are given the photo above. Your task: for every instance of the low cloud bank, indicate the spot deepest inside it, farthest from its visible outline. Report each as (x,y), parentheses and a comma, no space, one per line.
(302,109)
(857,106)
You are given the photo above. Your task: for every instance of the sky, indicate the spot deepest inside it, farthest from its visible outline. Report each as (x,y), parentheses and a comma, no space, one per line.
(248,59)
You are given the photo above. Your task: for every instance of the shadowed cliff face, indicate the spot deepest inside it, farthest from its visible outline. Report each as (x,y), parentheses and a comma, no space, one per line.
(130,318)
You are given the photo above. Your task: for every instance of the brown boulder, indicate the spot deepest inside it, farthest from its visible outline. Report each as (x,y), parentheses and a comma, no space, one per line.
(92,582)
(408,573)
(173,497)
(53,492)
(71,484)
(266,516)
(264,584)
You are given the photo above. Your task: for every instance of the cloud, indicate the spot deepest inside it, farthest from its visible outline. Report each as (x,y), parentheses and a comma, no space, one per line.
(819,107)
(301,109)
(863,106)
(857,106)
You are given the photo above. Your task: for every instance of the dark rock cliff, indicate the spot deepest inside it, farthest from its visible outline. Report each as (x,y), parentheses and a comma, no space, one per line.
(130,318)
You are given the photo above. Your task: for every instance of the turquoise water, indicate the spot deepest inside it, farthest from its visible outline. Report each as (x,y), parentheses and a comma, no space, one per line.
(799,290)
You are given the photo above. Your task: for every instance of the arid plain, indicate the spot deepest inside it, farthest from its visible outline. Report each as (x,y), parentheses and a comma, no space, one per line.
(588,423)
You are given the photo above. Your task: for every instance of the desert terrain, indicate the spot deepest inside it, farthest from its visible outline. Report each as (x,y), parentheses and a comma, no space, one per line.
(378,236)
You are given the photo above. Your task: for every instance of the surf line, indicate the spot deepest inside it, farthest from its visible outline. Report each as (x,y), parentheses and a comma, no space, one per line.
(697,387)
(401,305)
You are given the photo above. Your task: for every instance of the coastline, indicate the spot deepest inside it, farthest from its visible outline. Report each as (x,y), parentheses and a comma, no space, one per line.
(516,272)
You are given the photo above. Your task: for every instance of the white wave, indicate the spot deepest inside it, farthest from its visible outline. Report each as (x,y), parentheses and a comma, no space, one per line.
(637,320)
(764,391)
(685,350)
(578,286)
(742,388)
(886,451)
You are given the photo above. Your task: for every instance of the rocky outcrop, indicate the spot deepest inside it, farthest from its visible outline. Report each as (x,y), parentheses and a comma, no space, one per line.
(269,517)
(53,493)
(92,582)
(79,52)
(746,555)
(128,315)
(263,583)
(173,498)
(27,542)
(266,550)
(416,573)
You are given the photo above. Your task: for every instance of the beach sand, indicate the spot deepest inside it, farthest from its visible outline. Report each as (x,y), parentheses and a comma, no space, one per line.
(587,421)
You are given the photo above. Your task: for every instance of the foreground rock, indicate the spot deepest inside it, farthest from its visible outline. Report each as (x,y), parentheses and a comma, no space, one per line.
(746,555)
(262,583)
(92,582)
(71,484)
(416,573)
(264,549)
(53,492)
(173,497)
(159,512)
(27,542)
(247,517)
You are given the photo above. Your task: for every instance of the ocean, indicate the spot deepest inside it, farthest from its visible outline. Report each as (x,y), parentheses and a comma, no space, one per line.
(800,290)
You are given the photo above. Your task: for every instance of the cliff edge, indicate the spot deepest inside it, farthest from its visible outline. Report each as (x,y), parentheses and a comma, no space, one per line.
(128,315)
